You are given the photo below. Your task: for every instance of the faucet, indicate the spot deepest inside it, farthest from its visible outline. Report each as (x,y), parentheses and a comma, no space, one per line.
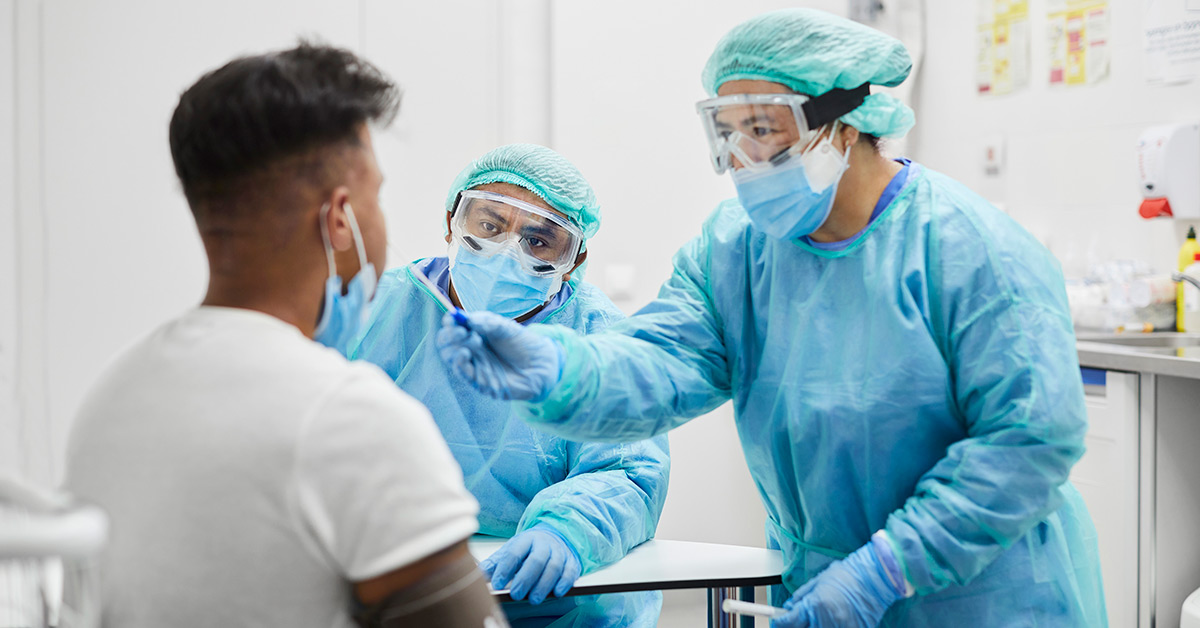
(1178,277)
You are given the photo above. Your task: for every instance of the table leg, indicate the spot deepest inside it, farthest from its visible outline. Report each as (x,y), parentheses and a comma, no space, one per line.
(717,617)
(747,595)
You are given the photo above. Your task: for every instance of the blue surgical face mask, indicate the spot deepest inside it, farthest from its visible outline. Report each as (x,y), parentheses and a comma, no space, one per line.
(498,283)
(344,314)
(794,198)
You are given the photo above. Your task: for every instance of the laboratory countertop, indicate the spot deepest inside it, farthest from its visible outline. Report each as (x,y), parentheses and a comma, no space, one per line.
(1095,352)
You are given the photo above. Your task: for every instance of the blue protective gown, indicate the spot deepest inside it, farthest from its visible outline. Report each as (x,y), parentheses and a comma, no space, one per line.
(923,380)
(604,499)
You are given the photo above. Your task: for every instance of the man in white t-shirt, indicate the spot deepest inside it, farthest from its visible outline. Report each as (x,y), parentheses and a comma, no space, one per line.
(255,477)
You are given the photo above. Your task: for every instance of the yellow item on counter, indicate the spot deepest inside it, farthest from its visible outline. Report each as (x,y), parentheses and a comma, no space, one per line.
(1191,297)
(1187,255)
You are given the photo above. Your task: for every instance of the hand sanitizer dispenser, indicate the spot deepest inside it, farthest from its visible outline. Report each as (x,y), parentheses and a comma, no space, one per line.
(1168,162)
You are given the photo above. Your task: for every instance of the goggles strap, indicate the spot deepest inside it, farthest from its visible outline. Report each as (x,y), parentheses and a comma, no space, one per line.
(833,104)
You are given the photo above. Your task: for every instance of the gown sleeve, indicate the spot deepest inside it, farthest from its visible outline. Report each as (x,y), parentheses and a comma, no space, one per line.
(609,503)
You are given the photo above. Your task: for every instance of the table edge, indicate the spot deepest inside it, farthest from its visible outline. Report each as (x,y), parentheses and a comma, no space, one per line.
(709,583)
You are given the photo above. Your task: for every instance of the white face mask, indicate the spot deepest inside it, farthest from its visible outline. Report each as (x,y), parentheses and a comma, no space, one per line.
(823,164)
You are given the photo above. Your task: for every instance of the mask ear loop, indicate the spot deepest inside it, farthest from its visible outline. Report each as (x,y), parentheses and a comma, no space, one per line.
(358,243)
(326,240)
(323,321)
(846,156)
(817,139)
(366,270)
(802,146)
(358,239)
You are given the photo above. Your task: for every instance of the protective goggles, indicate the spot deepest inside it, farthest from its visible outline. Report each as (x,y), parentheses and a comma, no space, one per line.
(765,130)
(489,224)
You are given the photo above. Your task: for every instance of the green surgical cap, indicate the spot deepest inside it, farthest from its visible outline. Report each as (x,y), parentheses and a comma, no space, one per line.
(812,52)
(539,170)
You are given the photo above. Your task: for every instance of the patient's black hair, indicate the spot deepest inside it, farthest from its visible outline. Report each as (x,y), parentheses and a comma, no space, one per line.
(238,121)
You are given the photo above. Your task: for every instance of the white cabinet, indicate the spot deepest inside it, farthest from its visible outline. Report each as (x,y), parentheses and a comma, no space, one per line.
(1170,561)
(1107,476)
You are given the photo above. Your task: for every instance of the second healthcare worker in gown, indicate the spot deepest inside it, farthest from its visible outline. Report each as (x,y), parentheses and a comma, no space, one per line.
(899,353)
(518,219)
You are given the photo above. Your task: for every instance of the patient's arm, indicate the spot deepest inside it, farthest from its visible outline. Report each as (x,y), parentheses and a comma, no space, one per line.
(444,589)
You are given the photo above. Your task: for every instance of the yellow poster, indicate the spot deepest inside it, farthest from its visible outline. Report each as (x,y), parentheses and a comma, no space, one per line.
(1003,46)
(1078,33)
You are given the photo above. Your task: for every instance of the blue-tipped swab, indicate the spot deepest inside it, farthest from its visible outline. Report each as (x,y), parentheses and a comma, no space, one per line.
(456,313)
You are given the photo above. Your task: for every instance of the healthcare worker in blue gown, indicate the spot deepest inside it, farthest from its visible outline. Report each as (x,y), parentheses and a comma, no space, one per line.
(518,220)
(899,353)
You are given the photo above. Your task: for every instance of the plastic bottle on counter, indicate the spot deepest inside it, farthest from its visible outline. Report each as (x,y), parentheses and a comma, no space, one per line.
(1191,296)
(1187,255)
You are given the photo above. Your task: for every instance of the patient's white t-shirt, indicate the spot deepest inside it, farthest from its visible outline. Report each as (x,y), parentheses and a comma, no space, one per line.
(250,472)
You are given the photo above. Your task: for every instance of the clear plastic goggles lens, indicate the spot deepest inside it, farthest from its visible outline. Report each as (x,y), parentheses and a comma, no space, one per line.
(758,130)
(488,224)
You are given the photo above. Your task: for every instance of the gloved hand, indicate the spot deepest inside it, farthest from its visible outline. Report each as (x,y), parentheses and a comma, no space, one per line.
(500,357)
(854,591)
(535,562)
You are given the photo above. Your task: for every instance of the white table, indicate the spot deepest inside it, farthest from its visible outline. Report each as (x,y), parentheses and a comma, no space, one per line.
(725,570)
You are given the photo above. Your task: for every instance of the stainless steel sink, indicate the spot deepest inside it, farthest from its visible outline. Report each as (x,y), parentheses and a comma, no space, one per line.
(1158,340)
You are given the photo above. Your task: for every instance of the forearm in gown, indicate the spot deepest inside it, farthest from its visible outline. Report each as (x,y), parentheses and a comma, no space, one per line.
(609,503)
(646,374)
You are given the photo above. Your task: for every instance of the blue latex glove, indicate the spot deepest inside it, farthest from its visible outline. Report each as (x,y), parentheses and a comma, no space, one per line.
(854,591)
(500,357)
(535,562)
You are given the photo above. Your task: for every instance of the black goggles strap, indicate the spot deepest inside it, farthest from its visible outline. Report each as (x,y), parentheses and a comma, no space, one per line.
(833,104)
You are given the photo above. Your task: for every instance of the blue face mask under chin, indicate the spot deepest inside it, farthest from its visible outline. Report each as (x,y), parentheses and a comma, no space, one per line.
(781,201)
(498,284)
(343,315)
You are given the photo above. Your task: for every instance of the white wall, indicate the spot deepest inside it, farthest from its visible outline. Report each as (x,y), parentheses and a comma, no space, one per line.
(1070,175)
(30,426)
(10,451)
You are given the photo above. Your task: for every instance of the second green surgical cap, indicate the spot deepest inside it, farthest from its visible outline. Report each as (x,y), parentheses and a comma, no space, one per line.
(539,170)
(812,52)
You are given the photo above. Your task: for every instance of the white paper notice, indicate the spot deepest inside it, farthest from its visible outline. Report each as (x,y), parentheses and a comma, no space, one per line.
(1002,46)
(1078,33)
(1171,33)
